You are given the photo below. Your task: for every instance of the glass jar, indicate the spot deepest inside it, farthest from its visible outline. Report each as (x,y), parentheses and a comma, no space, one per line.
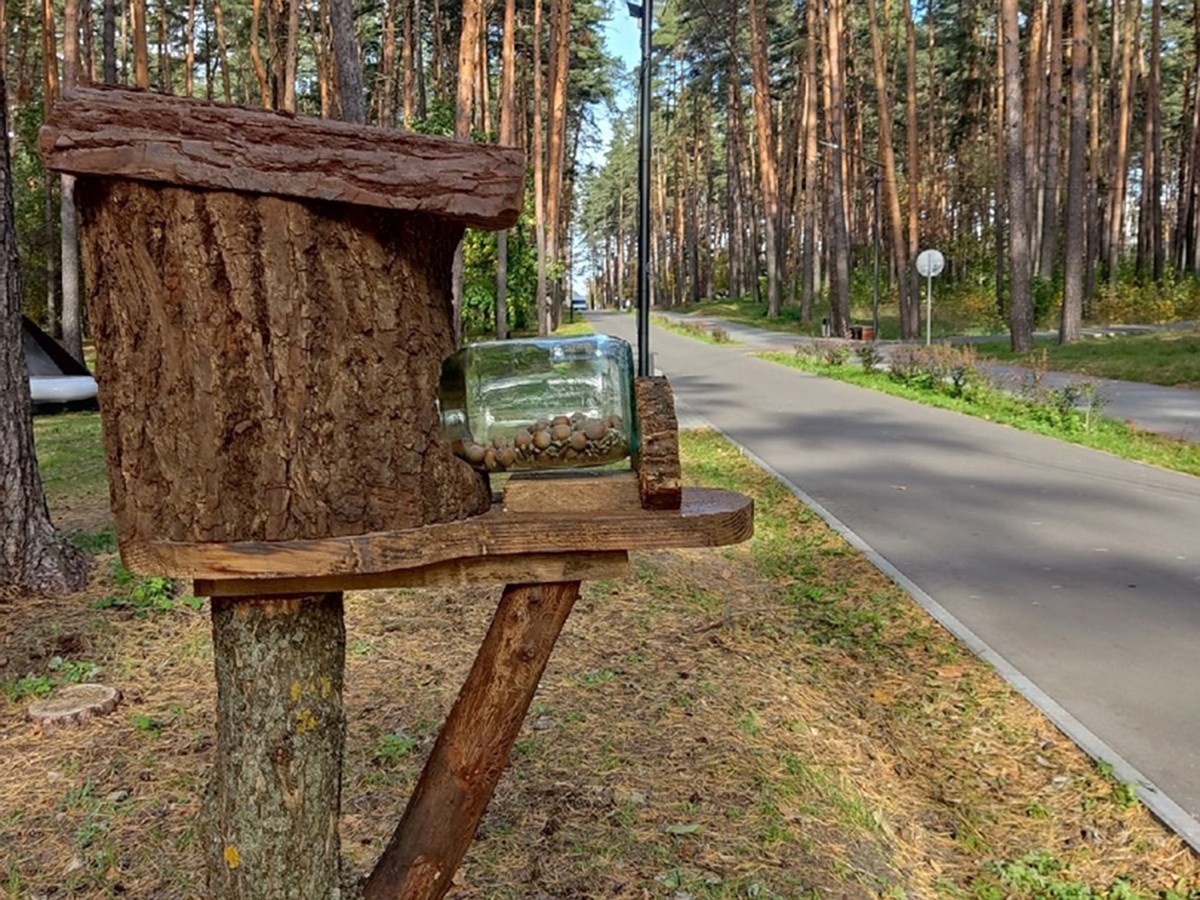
(541,403)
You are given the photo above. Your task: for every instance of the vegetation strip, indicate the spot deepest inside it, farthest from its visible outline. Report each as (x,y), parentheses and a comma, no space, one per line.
(948,377)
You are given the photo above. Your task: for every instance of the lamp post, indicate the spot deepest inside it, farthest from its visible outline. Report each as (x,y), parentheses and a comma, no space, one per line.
(645,12)
(875,164)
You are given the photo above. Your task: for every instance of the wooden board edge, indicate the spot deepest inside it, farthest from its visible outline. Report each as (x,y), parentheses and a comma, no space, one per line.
(533,568)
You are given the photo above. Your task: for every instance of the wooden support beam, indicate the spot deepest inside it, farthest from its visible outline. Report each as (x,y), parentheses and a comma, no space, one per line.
(179,141)
(472,749)
(523,569)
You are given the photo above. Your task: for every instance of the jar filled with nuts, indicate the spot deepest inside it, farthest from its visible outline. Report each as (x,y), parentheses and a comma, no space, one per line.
(542,403)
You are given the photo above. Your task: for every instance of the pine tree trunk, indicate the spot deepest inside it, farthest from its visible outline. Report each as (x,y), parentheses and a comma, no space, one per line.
(109,41)
(911,323)
(891,189)
(1048,252)
(768,164)
(839,246)
(541,302)
(141,51)
(508,114)
(1020,302)
(349,72)
(1072,308)
(1122,126)
(260,71)
(222,52)
(33,557)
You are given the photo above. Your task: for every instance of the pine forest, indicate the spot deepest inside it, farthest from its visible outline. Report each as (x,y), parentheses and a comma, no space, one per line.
(804,153)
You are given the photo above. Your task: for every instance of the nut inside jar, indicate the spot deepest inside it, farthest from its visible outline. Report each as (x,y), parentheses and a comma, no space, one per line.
(566,441)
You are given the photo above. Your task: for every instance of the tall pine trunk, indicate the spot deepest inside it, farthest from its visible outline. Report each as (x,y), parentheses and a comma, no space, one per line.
(1020,302)
(839,241)
(1072,308)
(33,556)
(768,164)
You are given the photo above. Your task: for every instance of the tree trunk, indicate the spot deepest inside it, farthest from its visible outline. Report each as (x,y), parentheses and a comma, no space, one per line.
(277,774)
(768,163)
(291,56)
(32,555)
(164,51)
(189,50)
(839,247)
(891,189)
(1020,302)
(349,71)
(1122,126)
(222,52)
(1048,247)
(1072,308)
(508,115)
(260,71)
(734,127)
(911,318)
(556,140)
(109,41)
(1153,149)
(408,63)
(72,323)
(541,304)
(141,51)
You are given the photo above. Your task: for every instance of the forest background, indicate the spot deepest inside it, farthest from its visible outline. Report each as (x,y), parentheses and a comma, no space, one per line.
(1048,148)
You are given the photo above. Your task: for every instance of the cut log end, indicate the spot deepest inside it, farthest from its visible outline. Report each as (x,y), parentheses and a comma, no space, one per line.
(74,705)
(660,478)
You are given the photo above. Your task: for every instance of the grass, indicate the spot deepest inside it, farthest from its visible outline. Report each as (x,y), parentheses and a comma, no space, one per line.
(1109,435)
(947,321)
(772,720)
(702,331)
(1170,358)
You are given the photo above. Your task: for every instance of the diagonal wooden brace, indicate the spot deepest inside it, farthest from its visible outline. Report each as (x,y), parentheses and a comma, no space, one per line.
(472,749)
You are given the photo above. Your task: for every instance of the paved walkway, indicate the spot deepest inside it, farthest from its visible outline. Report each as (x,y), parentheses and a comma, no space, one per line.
(1075,573)
(1166,410)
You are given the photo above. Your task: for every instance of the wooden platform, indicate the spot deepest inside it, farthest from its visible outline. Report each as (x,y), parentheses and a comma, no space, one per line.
(454,552)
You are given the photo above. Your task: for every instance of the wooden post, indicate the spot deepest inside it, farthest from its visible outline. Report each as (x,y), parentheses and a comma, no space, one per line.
(274,801)
(474,744)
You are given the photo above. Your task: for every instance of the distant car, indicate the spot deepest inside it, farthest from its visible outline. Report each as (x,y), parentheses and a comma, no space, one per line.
(579,304)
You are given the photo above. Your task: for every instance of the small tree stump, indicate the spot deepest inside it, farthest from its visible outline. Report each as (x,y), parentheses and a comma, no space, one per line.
(74,705)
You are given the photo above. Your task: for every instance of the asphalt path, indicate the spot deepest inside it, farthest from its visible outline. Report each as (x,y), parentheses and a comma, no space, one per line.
(1079,569)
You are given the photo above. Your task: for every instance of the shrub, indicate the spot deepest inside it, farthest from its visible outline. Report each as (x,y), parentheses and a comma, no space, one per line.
(871,358)
(835,352)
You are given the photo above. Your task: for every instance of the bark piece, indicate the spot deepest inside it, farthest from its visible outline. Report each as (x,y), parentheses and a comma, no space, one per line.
(472,749)
(707,517)
(659,473)
(181,141)
(268,368)
(75,704)
(273,807)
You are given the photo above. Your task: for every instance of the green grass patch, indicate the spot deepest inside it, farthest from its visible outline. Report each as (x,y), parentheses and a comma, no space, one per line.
(1047,416)
(568,328)
(1170,358)
(710,334)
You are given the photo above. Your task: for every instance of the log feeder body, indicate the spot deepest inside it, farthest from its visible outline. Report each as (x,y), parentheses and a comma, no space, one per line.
(271,302)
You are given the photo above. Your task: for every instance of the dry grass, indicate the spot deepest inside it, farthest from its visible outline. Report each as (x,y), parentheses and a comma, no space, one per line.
(772,720)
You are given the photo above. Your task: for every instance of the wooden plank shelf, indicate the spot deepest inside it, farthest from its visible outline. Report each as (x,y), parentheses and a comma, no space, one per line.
(707,518)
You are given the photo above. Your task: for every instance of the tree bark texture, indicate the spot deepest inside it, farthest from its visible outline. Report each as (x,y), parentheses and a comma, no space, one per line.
(131,134)
(472,749)
(768,162)
(1072,308)
(277,775)
(32,555)
(1020,312)
(349,70)
(269,368)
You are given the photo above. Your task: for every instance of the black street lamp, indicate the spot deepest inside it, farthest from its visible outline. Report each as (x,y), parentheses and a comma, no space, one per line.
(875,164)
(645,12)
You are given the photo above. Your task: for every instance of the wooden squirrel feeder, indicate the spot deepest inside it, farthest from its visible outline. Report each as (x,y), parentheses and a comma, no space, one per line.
(270,297)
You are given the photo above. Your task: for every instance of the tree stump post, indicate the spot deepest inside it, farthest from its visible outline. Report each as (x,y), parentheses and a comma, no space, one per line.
(275,798)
